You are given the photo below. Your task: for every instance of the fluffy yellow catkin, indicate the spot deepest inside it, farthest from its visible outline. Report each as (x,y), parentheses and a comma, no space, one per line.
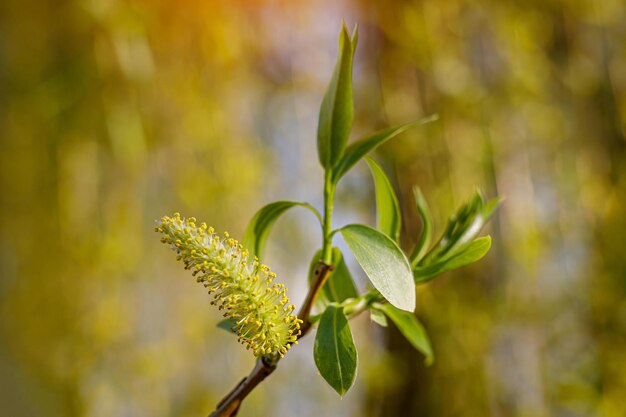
(258,307)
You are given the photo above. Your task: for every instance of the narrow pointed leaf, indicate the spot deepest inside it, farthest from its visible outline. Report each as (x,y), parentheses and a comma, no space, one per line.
(384,264)
(490,207)
(259,227)
(463,226)
(427,228)
(337,109)
(339,286)
(354,38)
(471,253)
(378,317)
(334,351)
(410,328)
(362,147)
(388,217)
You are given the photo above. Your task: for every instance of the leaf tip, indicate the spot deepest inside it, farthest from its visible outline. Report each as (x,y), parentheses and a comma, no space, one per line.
(405,302)
(344,31)
(418,194)
(355,37)
(406,305)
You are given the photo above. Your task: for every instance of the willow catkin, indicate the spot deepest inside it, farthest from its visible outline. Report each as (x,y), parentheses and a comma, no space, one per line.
(259,308)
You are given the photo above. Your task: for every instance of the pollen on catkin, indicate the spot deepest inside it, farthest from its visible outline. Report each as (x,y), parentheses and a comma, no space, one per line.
(246,291)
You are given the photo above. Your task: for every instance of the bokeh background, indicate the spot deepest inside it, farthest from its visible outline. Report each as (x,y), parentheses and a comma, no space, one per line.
(113,113)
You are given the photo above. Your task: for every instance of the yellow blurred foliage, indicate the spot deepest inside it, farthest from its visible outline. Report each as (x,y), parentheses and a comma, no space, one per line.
(115,112)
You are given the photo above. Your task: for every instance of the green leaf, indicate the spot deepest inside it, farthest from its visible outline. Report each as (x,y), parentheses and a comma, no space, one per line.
(377,317)
(337,109)
(259,227)
(384,264)
(490,207)
(226,324)
(339,285)
(388,217)
(427,227)
(334,350)
(463,226)
(411,328)
(362,147)
(471,253)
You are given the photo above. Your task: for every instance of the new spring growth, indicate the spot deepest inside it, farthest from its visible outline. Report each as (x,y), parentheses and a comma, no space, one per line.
(259,308)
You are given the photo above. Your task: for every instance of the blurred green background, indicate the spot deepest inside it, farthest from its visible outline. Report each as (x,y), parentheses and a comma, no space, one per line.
(113,113)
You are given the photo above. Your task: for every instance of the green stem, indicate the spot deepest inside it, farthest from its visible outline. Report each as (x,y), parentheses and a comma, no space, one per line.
(329,195)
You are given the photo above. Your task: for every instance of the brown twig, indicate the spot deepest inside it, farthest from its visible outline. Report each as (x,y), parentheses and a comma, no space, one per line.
(320,275)
(229,406)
